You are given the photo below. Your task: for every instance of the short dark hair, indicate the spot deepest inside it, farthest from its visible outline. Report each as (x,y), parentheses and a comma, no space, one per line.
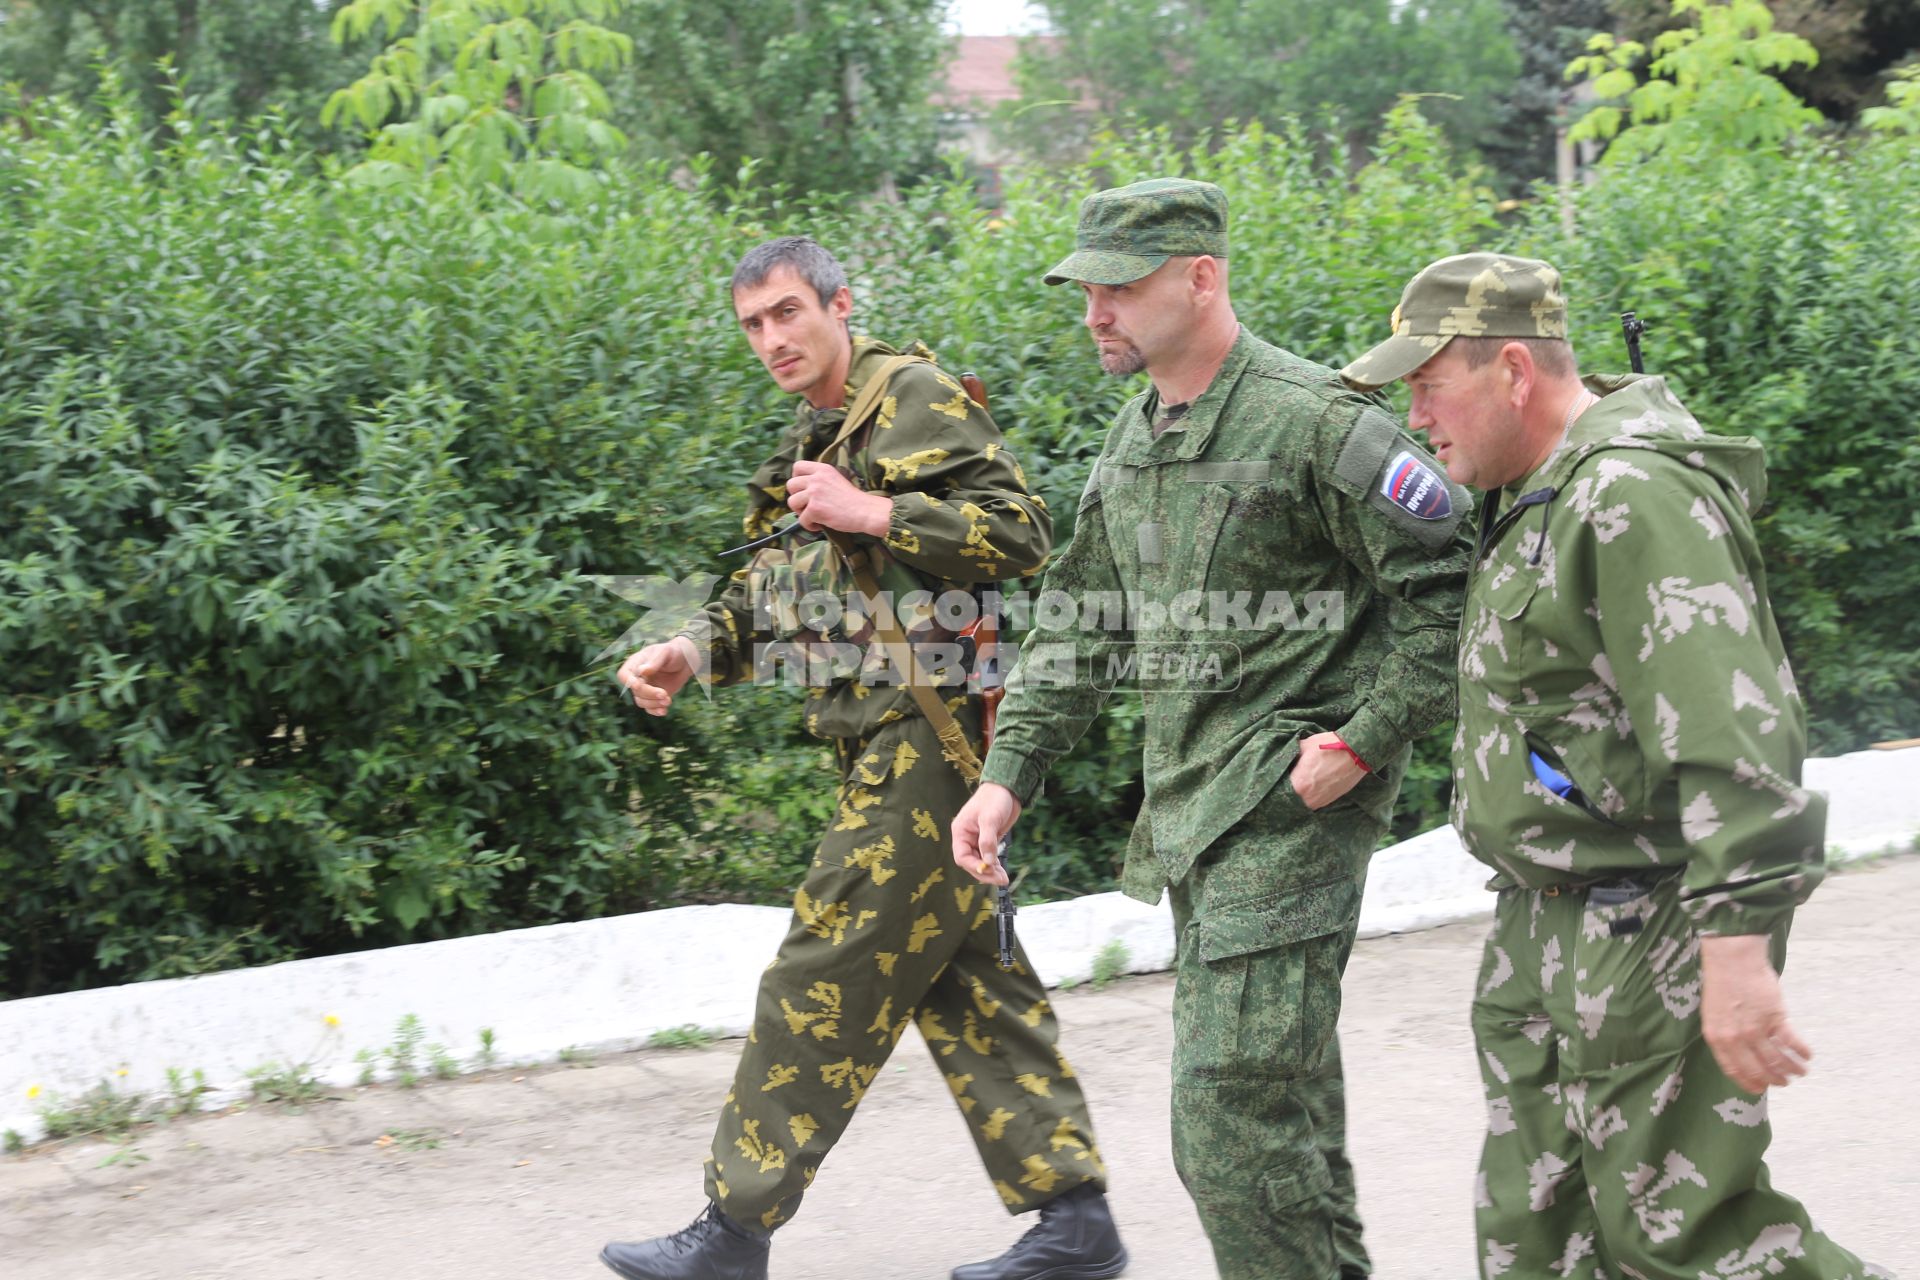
(1552,356)
(804,256)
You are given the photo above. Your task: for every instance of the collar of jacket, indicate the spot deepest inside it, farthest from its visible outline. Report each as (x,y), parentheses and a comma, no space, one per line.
(1187,438)
(1592,430)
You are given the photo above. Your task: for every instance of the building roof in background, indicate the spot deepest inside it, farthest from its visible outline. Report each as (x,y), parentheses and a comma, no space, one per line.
(980,76)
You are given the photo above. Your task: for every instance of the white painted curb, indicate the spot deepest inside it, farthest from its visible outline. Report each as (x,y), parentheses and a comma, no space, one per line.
(605,985)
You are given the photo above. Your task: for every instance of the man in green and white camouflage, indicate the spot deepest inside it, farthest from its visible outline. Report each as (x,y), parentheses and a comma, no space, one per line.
(1628,762)
(882,936)
(1250,509)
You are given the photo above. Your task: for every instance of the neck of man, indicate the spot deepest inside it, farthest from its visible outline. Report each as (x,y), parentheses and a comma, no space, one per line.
(831,391)
(1548,417)
(1185,375)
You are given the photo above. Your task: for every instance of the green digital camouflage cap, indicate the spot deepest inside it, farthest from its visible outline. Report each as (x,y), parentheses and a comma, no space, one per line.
(1127,232)
(1474,295)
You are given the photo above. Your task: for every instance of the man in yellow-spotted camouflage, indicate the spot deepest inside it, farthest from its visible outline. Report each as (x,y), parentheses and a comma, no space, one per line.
(884,932)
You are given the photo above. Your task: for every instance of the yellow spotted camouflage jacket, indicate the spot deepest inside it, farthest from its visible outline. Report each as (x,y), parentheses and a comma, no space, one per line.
(962,516)
(1618,630)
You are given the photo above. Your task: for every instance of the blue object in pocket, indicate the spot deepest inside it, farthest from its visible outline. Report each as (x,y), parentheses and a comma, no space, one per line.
(1551,778)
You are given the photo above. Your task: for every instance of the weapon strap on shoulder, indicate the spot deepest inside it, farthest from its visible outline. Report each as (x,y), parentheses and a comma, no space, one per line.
(893,642)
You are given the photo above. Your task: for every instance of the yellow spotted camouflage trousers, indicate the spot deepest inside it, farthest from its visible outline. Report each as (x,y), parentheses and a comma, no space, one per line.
(886,931)
(1616,1147)
(1265,923)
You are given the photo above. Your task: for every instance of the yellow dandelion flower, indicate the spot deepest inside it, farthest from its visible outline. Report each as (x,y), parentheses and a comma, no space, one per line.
(33,1091)
(121,1072)
(331,1020)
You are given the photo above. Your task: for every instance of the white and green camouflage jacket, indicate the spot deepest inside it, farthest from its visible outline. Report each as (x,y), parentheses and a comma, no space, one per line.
(1617,628)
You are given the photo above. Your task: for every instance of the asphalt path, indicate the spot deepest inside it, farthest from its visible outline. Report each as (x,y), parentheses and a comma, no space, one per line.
(525,1173)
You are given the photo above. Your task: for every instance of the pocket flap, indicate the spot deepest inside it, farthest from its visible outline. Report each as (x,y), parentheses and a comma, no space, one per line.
(1288,1184)
(1278,919)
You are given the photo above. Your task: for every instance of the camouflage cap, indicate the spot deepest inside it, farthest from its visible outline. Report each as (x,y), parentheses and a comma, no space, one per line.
(1127,232)
(1472,295)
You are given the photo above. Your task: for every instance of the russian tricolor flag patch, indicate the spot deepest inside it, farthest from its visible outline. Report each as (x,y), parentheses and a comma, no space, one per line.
(1416,488)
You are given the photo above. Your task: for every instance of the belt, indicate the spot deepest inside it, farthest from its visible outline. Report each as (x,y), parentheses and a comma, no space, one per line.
(1621,888)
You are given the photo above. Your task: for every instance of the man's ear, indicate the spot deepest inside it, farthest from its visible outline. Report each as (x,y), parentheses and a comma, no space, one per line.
(1517,362)
(840,305)
(1203,278)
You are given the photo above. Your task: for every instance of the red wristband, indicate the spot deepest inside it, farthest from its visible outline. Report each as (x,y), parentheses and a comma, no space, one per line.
(1337,745)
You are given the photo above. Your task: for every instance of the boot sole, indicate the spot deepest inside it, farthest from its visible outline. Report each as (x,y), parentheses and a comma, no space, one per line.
(607,1260)
(1085,1270)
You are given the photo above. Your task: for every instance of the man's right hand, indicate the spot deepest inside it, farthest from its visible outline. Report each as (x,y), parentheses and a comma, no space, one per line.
(659,671)
(980,828)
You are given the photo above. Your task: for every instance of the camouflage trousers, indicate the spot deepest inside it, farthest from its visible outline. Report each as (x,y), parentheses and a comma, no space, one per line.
(886,931)
(1616,1147)
(1259,1101)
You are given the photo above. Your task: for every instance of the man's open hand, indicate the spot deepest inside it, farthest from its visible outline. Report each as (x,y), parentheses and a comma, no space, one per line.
(1743,1014)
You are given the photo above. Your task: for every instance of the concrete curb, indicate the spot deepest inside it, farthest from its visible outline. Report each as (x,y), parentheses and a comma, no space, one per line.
(607,985)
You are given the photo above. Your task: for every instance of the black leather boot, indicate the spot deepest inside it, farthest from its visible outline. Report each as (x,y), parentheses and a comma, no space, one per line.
(715,1247)
(1075,1239)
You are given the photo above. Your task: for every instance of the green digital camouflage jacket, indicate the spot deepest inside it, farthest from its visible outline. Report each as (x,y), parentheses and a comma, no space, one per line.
(962,515)
(1285,525)
(1617,627)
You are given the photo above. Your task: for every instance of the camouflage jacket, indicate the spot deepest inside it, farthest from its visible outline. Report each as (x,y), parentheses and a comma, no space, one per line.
(962,515)
(1633,650)
(1287,525)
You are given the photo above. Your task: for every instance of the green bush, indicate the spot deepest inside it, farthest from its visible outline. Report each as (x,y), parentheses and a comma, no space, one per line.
(303,480)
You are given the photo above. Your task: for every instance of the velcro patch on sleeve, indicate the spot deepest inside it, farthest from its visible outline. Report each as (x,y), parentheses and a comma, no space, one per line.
(1415,487)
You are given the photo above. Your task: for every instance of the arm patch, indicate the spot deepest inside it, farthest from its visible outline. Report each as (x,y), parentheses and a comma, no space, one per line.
(1399,479)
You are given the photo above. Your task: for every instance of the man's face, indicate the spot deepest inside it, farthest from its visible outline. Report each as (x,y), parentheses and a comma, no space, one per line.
(803,343)
(1472,426)
(1135,325)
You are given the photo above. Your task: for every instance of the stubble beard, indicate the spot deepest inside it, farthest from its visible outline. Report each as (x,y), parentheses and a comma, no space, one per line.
(1123,363)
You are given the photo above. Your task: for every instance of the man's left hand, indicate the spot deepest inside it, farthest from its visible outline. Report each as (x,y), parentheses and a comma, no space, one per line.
(1743,1014)
(1321,777)
(823,498)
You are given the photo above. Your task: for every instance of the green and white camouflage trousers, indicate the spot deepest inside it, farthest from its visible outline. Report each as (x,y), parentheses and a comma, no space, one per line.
(886,931)
(1616,1147)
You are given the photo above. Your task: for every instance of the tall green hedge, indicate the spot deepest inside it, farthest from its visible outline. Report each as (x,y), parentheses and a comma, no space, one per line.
(302,482)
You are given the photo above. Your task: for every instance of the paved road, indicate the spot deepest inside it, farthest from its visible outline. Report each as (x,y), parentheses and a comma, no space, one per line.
(533,1170)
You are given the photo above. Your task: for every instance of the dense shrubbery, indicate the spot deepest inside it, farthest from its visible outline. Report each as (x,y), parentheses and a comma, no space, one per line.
(301,480)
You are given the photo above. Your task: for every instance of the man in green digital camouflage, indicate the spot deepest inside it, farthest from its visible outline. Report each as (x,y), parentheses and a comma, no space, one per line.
(1628,762)
(1277,540)
(883,934)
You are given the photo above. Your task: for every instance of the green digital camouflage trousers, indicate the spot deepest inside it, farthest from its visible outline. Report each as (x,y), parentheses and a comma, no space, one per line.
(1616,1147)
(887,931)
(1259,1101)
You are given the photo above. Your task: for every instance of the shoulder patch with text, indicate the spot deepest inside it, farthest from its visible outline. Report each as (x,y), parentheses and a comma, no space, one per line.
(1416,488)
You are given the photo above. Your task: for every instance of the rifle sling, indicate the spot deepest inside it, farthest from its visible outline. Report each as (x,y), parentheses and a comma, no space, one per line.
(953,739)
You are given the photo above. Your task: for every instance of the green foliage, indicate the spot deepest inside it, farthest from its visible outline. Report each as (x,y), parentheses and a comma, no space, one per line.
(487,1055)
(1109,963)
(403,1055)
(1902,112)
(1711,88)
(183,1091)
(689,1036)
(106,1110)
(292,1083)
(1192,67)
(15,1142)
(805,95)
(498,92)
(234,58)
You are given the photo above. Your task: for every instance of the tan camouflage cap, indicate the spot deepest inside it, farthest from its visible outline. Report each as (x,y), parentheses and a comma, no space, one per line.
(1127,232)
(1475,295)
